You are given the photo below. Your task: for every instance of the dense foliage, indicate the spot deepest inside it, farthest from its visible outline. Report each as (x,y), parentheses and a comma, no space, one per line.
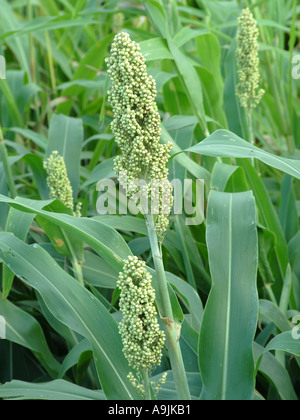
(233,281)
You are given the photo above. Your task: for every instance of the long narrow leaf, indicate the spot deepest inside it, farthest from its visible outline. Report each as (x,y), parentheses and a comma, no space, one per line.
(75,307)
(21,328)
(231,313)
(223,143)
(102,238)
(57,390)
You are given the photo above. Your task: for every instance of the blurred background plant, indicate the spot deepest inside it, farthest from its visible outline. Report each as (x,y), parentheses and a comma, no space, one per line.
(54,98)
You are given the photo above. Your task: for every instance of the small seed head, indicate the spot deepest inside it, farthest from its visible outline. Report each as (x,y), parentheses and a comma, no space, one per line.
(248,90)
(59,183)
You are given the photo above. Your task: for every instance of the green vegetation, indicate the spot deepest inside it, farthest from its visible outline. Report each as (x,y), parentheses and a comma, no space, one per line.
(214,307)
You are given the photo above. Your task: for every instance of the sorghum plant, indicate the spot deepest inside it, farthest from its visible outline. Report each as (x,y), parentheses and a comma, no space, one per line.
(248,90)
(137,130)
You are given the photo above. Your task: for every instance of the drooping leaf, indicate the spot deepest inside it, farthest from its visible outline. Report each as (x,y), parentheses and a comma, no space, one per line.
(58,390)
(223,143)
(285,342)
(75,307)
(21,328)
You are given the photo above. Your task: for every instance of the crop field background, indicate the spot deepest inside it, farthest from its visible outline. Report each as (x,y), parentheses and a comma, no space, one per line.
(200,302)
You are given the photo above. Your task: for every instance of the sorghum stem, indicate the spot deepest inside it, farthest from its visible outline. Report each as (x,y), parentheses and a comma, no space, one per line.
(76,264)
(6,166)
(78,270)
(250,128)
(147,384)
(166,313)
(251,139)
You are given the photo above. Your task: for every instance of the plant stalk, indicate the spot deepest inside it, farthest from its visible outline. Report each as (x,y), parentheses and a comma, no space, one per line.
(250,128)
(51,63)
(31,42)
(251,138)
(78,271)
(147,384)
(77,267)
(7,167)
(290,138)
(166,313)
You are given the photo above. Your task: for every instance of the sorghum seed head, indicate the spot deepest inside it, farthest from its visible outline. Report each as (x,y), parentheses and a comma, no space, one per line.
(136,124)
(248,62)
(142,338)
(58,181)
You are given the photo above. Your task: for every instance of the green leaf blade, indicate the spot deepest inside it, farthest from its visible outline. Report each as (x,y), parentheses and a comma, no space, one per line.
(230,317)
(75,307)
(223,143)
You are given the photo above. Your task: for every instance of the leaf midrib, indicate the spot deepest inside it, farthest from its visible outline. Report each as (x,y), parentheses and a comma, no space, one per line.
(228,312)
